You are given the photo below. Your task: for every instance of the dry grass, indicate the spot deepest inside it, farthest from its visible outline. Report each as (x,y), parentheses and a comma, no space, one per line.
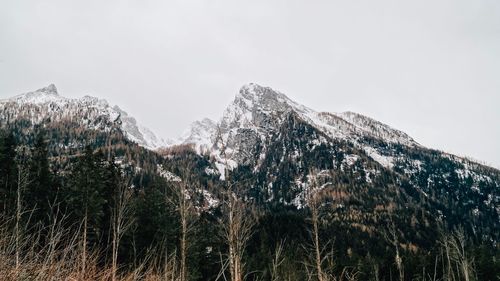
(61,258)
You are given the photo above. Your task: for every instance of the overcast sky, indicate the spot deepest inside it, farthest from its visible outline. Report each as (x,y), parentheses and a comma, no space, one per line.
(429,68)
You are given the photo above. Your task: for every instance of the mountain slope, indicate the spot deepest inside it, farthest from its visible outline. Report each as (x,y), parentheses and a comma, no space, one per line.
(257,112)
(368,170)
(88,112)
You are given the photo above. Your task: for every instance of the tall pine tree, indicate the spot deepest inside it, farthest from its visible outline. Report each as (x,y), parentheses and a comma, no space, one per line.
(85,196)
(40,190)
(8,173)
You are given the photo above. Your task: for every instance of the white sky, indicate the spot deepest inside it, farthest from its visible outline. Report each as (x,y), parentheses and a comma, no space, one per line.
(429,68)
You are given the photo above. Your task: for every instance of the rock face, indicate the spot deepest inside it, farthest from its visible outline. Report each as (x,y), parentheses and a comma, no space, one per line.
(89,112)
(199,133)
(258,112)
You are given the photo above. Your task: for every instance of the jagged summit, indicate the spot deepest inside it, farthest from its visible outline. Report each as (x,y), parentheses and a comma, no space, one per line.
(255,91)
(88,111)
(199,133)
(266,99)
(254,105)
(43,95)
(258,112)
(50,89)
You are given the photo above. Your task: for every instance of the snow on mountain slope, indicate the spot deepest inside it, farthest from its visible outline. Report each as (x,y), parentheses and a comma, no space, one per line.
(376,128)
(40,96)
(138,133)
(90,112)
(200,134)
(257,112)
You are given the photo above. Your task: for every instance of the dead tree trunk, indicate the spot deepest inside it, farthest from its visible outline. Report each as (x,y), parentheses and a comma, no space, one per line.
(278,259)
(392,238)
(317,257)
(237,222)
(84,246)
(120,222)
(21,182)
(317,249)
(237,230)
(183,212)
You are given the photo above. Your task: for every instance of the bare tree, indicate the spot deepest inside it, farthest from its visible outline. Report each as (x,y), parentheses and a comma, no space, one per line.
(457,257)
(237,222)
(313,206)
(85,226)
(320,254)
(322,262)
(391,236)
(121,221)
(447,256)
(22,181)
(170,265)
(237,227)
(277,261)
(84,244)
(185,209)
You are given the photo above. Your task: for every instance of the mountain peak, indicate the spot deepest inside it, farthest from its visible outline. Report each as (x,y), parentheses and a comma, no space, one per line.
(255,91)
(208,123)
(250,86)
(50,89)
(254,98)
(44,95)
(88,111)
(258,112)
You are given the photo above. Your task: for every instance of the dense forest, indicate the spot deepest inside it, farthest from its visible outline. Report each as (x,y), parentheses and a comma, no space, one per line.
(88,217)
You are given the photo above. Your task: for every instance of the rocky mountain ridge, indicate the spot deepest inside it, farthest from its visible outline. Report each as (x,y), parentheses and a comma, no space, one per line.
(90,112)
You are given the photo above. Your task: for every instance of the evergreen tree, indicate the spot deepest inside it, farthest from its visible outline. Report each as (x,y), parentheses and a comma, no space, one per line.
(85,197)
(40,190)
(8,172)
(110,190)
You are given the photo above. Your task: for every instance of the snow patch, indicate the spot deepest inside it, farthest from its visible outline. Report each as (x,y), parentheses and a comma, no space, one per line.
(169,176)
(385,161)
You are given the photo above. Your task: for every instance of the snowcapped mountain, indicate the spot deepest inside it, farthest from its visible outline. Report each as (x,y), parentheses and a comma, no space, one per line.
(199,133)
(281,145)
(257,112)
(89,112)
(279,151)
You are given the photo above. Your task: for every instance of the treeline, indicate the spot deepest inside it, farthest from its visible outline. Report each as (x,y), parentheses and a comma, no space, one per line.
(88,210)
(94,222)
